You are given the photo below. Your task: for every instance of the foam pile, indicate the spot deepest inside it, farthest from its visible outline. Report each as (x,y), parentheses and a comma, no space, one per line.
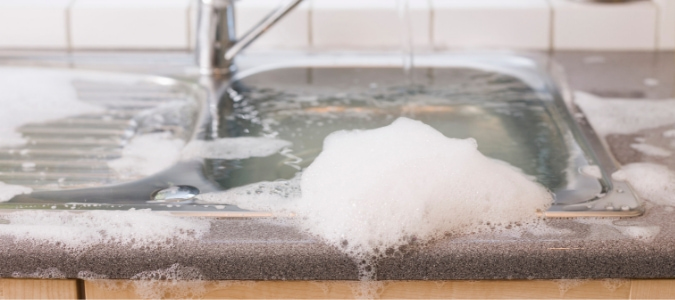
(79,231)
(377,189)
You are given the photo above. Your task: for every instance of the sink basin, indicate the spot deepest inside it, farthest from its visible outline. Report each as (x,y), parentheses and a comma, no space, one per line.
(508,103)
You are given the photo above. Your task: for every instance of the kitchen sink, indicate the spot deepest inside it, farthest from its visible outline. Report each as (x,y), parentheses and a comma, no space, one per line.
(511,104)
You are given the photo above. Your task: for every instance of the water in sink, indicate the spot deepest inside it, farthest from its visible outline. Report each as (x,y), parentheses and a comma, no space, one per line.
(508,119)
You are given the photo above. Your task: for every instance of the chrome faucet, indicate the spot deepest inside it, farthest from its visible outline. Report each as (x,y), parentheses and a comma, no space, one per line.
(216,40)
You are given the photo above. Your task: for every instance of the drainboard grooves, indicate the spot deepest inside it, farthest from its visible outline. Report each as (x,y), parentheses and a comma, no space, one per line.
(63,152)
(74,141)
(55,163)
(74,131)
(52,175)
(74,152)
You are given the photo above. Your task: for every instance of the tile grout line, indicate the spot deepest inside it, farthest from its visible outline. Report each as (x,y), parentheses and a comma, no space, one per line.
(188,26)
(310,29)
(432,15)
(551,27)
(69,38)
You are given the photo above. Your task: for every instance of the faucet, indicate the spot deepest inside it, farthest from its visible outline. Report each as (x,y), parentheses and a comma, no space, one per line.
(216,42)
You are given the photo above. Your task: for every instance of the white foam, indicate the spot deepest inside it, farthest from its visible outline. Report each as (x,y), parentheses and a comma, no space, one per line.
(30,95)
(147,154)
(651,150)
(176,282)
(48,273)
(669,133)
(625,116)
(372,190)
(9,191)
(646,233)
(234,148)
(79,231)
(405,180)
(653,182)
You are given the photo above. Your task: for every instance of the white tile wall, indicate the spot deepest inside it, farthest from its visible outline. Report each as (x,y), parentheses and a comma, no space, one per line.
(130,24)
(370,24)
(521,24)
(33,24)
(604,26)
(347,24)
(291,32)
(666,25)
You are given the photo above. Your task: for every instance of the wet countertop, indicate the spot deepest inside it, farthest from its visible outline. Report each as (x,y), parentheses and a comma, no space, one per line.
(263,249)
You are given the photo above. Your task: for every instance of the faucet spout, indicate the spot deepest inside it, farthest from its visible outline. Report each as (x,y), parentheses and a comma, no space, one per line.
(217,45)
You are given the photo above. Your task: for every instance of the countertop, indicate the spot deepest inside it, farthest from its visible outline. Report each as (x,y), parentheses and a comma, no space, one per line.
(252,249)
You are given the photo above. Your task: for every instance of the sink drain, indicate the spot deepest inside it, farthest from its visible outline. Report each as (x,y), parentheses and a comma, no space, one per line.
(176,193)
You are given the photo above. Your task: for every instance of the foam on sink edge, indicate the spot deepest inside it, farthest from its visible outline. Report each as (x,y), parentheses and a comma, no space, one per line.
(77,232)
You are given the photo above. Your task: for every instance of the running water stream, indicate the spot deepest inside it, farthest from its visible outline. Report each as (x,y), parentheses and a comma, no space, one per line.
(407,51)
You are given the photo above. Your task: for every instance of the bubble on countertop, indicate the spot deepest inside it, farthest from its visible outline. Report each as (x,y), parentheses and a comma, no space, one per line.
(625,116)
(76,232)
(652,182)
(9,191)
(603,226)
(405,182)
(147,154)
(234,148)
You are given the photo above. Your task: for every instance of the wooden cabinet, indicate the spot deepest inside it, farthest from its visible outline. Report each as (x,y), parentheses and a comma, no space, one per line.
(483,289)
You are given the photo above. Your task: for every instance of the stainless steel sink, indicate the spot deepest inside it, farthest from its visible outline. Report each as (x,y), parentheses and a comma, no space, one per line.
(510,104)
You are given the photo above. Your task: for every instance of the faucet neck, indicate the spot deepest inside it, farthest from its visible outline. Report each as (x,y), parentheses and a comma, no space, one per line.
(216,40)
(215,34)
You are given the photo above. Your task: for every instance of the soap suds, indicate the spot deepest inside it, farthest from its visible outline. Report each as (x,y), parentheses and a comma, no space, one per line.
(403,182)
(29,95)
(651,150)
(625,116)
(79,231)
(175,282)
(9,191)
(234,148)
(40,273)
(645,233)
(652,182)
(147,154)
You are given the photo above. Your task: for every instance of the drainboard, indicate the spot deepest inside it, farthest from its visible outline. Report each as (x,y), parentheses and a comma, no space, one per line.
(507,103)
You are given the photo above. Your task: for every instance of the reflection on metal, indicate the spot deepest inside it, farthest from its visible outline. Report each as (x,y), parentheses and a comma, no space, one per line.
(217,44)
(73,152)
(176,193)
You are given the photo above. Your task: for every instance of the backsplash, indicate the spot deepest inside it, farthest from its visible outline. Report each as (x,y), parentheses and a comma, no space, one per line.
(347,24)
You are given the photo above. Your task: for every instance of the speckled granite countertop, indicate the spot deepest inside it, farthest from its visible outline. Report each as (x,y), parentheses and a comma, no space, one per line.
(260,249)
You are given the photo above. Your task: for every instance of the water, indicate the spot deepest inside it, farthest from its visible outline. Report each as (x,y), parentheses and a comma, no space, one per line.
(407,39)
(507,118)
